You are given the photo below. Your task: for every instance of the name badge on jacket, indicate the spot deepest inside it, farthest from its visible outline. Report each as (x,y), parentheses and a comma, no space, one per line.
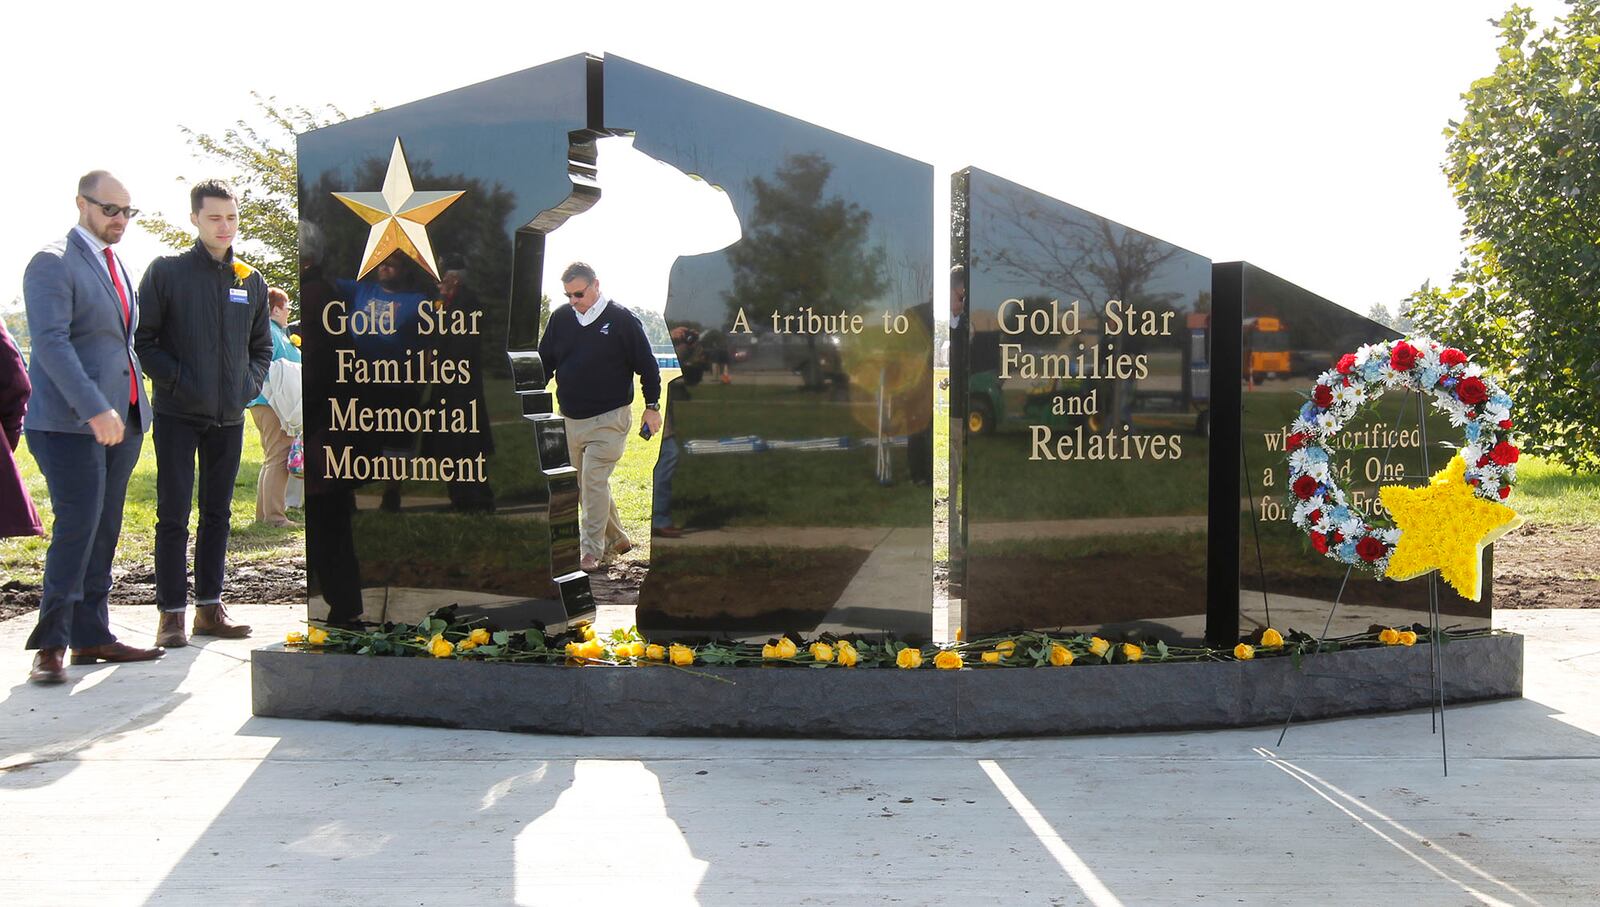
(238,294)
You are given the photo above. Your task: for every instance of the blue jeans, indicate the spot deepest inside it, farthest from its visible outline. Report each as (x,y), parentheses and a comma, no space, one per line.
(178,444)
(87,483)
(661,484)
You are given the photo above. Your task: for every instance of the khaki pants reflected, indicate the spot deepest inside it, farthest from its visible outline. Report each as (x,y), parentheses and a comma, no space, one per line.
(594,446)
(273,479)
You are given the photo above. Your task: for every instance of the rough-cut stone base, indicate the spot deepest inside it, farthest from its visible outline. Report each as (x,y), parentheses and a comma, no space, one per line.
(880,702)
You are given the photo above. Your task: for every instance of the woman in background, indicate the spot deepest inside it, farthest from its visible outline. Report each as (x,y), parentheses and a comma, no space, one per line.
(274,475)
(17,514)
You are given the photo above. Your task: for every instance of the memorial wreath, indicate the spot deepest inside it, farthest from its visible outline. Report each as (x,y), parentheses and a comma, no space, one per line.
(1442,526)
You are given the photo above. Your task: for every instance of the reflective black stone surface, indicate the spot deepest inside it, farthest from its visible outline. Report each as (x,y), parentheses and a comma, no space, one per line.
(802,483)
(1288,336)
(796,477)
(1080,376)
(407,372)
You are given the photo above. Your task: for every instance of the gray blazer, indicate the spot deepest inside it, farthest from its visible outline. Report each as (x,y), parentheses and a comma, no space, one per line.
(81,351)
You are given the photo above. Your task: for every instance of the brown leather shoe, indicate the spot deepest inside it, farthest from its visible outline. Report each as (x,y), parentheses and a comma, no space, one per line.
(115,652)
(47,667)
(666,532)
(212,620)
(169,635)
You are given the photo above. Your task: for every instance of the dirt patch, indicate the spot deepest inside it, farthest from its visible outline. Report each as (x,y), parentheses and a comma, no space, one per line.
(256,584)
(1547,567)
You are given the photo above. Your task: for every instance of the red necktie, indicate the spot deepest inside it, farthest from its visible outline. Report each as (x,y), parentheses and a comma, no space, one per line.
(122,296)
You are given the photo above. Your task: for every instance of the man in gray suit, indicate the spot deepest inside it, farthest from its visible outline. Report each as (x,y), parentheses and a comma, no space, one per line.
(84,425)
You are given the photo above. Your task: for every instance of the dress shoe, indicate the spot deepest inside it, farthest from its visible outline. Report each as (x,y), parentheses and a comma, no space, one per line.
(47,667)
(212,620)
(666,532)
(115,652)
(169,635)
(622,547)
(589,564)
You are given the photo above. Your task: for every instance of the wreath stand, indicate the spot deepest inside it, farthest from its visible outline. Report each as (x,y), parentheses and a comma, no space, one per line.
(1435,631)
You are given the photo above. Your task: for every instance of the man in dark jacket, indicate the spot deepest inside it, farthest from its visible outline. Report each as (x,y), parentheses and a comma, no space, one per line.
(593,349)
(204,341)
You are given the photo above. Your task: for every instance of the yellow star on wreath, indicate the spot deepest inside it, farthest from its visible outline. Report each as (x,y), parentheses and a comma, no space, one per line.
(1445,527)
(398,215)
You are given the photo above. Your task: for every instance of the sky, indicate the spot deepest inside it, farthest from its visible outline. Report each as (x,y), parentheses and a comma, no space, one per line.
(1305,138)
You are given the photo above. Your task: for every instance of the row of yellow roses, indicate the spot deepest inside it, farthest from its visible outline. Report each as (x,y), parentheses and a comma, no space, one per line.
(627,648)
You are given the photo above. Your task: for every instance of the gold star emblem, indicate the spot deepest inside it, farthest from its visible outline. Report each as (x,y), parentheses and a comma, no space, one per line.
(398,215)
(1445,527)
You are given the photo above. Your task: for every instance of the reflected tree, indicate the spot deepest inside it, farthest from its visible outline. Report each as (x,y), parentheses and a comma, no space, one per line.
(476,228)
(802,250)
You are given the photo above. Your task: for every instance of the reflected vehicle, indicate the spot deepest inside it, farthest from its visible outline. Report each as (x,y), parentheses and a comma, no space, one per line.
(1266,348)
(815,361)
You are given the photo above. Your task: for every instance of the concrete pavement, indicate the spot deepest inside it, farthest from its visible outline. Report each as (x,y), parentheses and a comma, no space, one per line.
(152,783)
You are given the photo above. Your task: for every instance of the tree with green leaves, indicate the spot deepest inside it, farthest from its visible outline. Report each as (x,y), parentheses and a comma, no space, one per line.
(260,162)
(1524,165)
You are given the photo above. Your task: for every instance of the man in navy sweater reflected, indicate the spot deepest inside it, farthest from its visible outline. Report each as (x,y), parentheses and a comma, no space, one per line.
(593,348)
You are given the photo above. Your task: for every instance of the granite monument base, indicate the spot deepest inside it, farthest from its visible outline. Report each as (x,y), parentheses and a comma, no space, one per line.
(871,703)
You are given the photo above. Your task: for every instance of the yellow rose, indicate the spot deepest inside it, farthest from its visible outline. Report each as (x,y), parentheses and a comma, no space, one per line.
(1408,638)
(586,631)
(768,650)
(592,649)
(961,634)
(1098,646)
(821,651)
(1006,647)
(573,649)
(655,652)
(847,654)
(316,635)
(947,660)
(294,340)
(295,639)
(990,657)
(909,658)
(787,648)
(1060,655)
(1244,651)
(682,655)
(1271,639)
(240,269)
(1132,652)
(466,645)
(1389,637)
(479,637)
(439,647)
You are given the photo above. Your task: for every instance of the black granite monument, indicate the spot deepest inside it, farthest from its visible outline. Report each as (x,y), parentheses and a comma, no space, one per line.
(1081,471)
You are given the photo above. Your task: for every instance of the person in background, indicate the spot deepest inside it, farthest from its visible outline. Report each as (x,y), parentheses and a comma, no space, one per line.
(17,514)
(273,479)
(85,424)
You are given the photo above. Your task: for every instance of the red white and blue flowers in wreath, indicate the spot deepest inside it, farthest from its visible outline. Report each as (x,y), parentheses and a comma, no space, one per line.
(1472,400)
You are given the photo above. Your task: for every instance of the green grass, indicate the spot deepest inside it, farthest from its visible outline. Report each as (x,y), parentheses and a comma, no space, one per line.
(23,559)
(1548,494)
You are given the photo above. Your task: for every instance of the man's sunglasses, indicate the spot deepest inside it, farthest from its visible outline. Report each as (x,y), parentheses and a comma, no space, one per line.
(577,294)
(112,210)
